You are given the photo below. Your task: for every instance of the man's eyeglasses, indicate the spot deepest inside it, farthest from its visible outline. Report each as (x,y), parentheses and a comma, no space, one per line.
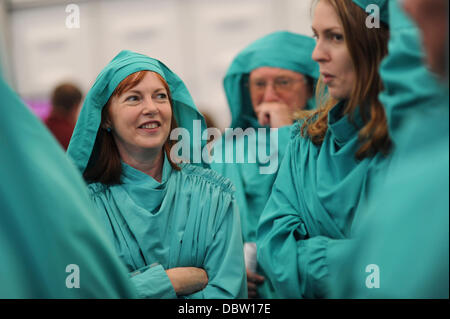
(280,85)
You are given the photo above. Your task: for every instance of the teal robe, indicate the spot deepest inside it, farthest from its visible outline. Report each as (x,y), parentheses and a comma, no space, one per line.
(49,231)
(317,197)
(312,206)
(190,219)
(405,228)
(284,50)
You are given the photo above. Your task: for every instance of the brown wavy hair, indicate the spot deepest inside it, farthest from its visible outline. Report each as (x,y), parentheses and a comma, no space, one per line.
(105,164)
(367,47)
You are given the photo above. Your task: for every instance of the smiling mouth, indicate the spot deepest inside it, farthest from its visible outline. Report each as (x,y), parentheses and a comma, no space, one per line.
(150,125)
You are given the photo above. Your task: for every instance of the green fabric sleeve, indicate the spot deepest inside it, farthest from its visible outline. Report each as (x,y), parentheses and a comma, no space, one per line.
(153,282)
(280,228)
(295,264)
(224,261)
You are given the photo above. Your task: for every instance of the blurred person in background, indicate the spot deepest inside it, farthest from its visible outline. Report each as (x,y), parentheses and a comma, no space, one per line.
(65,102)
(266,84)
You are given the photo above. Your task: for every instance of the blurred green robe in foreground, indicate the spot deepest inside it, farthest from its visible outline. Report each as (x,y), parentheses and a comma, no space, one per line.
(190,219)
(255,174)
(49,231)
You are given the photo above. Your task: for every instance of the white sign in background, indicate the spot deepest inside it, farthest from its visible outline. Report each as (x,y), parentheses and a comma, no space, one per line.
(196,38)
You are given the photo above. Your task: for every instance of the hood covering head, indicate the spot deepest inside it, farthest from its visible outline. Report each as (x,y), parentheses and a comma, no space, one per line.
(126,63)
(383,5)
(280,49)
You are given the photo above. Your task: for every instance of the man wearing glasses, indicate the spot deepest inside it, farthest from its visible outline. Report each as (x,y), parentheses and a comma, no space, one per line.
(265,85)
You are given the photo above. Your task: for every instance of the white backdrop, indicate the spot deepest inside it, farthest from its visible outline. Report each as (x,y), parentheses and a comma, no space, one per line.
(197,39)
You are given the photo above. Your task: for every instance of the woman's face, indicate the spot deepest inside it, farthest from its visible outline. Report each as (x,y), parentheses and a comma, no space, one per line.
(140,118)
(331,52)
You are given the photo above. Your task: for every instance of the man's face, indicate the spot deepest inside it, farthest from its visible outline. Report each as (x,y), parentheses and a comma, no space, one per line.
(278,86)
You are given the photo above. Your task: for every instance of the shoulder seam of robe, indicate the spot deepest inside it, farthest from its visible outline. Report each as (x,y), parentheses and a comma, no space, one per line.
(210,176)
(96,188)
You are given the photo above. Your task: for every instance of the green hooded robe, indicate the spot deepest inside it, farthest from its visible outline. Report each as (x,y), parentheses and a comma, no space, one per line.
(190,219)
(253,179)
(308,218)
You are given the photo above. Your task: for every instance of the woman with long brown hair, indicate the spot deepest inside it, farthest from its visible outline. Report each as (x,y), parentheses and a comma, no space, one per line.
(404,229)
(324,176)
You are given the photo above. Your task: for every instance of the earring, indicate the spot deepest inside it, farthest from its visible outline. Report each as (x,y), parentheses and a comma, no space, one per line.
(108,130)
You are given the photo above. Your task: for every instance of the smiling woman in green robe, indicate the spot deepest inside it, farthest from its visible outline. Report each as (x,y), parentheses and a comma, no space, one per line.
(324,174)
(174,225)
(267,82)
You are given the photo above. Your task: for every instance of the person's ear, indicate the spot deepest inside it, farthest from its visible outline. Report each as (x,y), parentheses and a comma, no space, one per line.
(107,125)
